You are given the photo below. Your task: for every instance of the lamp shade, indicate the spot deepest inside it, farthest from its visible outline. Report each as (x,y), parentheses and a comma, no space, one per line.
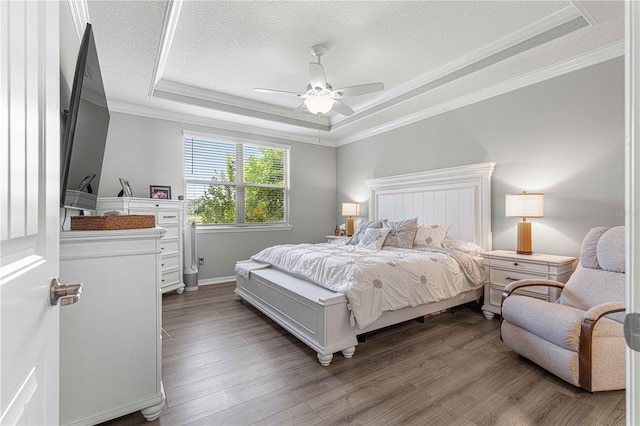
(524,205)
(350,209)
(319,104)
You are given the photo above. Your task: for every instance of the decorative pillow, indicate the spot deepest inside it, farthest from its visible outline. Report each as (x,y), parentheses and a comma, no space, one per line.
(373,238)
(401,234)
(362,227)
(431,235)
(465,246)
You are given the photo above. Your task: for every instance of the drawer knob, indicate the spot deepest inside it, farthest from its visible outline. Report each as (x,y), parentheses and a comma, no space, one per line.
(515,263)
(512,279)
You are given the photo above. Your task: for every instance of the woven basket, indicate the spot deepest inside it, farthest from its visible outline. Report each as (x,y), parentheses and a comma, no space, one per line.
(104,223)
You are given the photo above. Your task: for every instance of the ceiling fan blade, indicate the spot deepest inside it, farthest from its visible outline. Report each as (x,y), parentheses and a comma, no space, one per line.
(317,78)
(341,108)
(361,89)
(281,92)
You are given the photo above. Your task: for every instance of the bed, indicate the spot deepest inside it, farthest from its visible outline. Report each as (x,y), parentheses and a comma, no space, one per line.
(320,317)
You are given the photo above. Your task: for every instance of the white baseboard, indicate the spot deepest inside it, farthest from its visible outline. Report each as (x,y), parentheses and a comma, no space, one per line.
(219,280)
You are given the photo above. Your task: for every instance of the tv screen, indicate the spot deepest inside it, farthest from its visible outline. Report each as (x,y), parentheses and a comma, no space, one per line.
(85,131)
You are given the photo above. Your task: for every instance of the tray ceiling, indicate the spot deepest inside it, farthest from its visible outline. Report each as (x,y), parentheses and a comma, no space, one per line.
(199,61)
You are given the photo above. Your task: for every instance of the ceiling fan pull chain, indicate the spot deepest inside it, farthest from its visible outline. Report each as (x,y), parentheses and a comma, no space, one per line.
(319,141)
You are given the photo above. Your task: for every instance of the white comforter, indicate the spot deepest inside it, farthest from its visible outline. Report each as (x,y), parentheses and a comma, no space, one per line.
(375,281)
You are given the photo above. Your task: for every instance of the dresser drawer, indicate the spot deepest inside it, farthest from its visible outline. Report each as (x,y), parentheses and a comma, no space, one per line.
(502,278)
(518,265)
(169,246)
(143,210)
(169,278)
(170,262)
(173,231)
(168,216)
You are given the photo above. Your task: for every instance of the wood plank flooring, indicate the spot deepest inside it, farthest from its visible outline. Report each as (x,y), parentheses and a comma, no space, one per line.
(225,363)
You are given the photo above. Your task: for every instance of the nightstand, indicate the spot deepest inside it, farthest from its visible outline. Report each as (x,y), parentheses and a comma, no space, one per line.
(335,238)
(504,266)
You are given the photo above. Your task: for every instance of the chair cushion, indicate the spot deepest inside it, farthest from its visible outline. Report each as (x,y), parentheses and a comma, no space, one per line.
(590,287)
(610,250)
(588,250)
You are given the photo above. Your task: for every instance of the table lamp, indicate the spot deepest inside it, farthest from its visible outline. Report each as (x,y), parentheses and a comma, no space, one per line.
(524,205)
(350,209)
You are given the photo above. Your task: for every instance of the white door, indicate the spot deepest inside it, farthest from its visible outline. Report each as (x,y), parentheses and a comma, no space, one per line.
(29,211)
(632,184)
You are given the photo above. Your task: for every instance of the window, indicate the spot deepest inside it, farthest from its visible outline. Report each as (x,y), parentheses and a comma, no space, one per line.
(232,183)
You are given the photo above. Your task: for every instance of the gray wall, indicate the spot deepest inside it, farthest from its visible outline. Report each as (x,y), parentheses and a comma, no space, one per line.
(563,137)
(149,151)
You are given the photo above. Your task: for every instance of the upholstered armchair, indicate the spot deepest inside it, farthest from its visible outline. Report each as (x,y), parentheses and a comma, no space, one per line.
(580,337)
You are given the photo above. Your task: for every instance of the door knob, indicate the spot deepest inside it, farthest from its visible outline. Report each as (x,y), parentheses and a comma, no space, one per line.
(68,294)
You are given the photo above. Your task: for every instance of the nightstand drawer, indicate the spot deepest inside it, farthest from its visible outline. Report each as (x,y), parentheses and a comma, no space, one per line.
(502,278)
(495,295)
(519,265)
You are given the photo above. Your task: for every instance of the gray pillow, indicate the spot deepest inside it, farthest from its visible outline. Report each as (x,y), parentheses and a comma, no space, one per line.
(362,228)
(401,233)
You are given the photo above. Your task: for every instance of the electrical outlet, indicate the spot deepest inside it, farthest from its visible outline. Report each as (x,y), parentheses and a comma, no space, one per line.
(201,261)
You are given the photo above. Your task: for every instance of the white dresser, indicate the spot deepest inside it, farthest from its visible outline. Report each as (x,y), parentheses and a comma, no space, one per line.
(110,341)
(169,215)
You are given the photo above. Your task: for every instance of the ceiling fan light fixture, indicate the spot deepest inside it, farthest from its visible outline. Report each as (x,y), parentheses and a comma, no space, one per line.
(319,104)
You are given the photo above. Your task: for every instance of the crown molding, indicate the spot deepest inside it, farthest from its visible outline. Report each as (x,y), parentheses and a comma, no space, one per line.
(584,12)
(79,15)
(215,125)
(574,64)
(168,32)
(547,23)
(179,89)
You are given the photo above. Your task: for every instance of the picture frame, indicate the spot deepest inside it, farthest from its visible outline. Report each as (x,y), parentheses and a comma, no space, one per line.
(126,188)
(160,192)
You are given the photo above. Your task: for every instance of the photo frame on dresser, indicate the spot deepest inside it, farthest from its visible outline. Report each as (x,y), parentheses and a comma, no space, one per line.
(126,188)
(160,192)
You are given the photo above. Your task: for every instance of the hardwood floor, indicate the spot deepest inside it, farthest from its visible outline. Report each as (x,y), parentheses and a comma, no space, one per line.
(225,363)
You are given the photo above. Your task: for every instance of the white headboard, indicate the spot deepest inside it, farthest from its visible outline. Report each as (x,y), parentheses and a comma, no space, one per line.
(459,195)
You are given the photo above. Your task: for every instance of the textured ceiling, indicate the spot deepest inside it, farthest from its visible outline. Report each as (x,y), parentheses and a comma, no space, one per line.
(427,53)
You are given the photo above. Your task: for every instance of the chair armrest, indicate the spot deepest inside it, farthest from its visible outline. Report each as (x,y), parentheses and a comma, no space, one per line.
(586,339)
(598,311)
(513,286)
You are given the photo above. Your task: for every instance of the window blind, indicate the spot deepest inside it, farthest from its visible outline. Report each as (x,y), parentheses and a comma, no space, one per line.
(228,182)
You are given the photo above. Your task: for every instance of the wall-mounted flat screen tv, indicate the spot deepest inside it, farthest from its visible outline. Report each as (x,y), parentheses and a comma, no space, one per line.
(85,131)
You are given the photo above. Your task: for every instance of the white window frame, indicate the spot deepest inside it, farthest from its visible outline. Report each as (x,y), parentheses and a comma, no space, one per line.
(239,141)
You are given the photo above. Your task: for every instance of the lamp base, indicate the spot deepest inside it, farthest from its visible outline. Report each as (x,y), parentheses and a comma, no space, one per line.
(349,226)
(524,238)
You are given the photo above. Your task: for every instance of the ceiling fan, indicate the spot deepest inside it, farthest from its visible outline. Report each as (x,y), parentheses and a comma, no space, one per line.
(320,98)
